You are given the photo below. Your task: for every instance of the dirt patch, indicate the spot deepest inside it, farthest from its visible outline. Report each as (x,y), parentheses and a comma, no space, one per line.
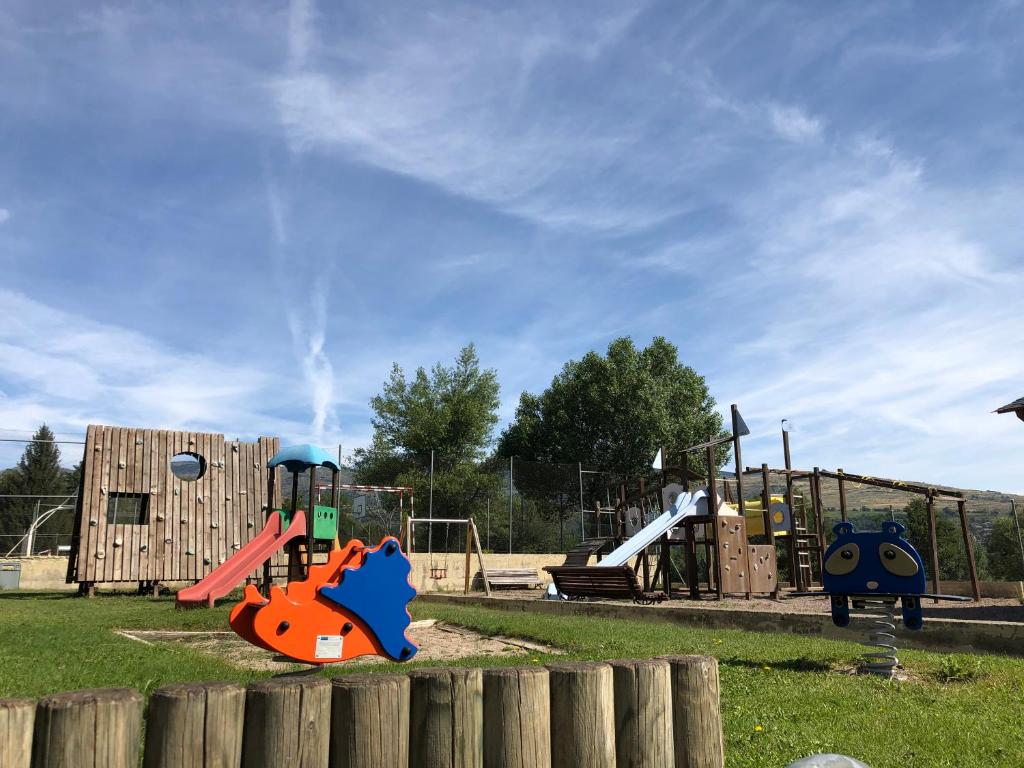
(437,641)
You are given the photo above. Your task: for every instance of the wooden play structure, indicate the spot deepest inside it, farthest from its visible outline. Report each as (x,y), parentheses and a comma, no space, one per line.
(733,565)
(136,520)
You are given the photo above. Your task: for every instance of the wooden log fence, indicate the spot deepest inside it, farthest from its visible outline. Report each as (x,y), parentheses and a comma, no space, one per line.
(652,712)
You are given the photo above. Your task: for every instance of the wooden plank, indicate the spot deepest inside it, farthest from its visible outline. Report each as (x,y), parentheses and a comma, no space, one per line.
(16,718)
(517,718)
(88,729)
(370,722)
(115,532)
(204,519)
(446,726)
(100,532)
(137,532)
(643,713)
(224,537)
(195,540)
(92,469)
(287,723)
(172,523)
(582,714)
(157,514)
(696,712)
(195,724)
(234,503)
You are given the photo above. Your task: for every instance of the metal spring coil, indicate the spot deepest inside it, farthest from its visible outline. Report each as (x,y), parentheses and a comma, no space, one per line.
(881,636)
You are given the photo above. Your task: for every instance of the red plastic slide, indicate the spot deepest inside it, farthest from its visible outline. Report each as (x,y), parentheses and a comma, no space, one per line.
(231,573)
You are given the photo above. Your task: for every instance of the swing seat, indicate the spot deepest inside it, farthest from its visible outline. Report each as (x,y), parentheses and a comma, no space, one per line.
(438,573)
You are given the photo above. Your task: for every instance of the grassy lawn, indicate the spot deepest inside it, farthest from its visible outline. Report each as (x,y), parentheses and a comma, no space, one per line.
(779,699)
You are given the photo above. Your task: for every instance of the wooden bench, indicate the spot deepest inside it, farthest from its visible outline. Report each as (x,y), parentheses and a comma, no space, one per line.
(617,582)
(509,578)
(582,552)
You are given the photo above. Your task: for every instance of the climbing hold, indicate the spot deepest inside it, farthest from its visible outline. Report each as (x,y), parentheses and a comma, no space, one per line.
(144,548)
(206,561)
(249,524)
(184,519)
(168,540)
(177,491)
(117,542)
(189,552)
(215,524)
(160,515)
(138,441)
(236,545)
(100,555)
(92,521)
(199,499)
(121,465)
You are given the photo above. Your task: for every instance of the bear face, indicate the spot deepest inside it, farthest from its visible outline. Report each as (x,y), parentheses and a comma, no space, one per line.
(872,562)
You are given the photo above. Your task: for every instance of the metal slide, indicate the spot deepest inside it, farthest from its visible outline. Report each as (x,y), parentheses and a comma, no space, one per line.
(685,506)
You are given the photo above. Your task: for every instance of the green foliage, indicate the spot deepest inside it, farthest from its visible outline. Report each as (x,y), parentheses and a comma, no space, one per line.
(38,471)
(1004,553)
(614,411)
(452,411)
(952,554)
(958,669)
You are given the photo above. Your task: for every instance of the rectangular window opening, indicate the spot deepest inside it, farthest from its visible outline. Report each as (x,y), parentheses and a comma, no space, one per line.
(128,509)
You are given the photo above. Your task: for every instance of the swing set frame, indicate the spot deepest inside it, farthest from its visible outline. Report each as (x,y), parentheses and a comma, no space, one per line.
(472,543)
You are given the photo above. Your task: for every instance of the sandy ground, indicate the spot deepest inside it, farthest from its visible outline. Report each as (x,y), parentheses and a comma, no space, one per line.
(437,642)
(987,609)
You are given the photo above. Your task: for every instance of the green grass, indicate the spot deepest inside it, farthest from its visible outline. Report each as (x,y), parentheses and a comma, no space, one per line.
(781,698)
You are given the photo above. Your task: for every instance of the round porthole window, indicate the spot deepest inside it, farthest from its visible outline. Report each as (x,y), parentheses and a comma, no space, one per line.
(188,466)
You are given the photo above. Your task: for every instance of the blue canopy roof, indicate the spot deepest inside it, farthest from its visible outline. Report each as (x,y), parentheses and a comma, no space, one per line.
(296,458)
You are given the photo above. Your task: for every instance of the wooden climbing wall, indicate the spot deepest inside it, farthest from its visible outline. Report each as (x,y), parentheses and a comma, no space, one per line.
(192,526)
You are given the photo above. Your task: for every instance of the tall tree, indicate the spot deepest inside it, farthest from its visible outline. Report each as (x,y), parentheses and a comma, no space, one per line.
(38,472)
(1005,561)
(451,411)
(614,411)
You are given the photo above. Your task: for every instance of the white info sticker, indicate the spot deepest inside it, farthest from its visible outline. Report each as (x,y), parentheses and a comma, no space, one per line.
(328,647)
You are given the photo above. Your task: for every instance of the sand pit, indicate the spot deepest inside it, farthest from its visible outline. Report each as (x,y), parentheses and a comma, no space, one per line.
(437,641)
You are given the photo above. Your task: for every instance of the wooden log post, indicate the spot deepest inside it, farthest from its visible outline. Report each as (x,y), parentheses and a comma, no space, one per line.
(961,508)
(369,721)
(582,715)
(446,718)
(517,721)
(88,729)
(195,724)
(643,713)
(16,718)
(696,712)
(287,722)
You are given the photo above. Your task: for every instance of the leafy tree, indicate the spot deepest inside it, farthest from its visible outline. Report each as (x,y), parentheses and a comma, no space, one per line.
(452,411)
(952,554)
(614,411)
(37,472)
(1003,550)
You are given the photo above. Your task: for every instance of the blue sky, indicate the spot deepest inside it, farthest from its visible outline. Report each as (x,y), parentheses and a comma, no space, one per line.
(234,217)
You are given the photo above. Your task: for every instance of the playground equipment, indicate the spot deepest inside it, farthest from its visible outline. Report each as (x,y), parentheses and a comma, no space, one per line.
(354,604)
(472,544)
(296,529)
(873,570)
(734,566)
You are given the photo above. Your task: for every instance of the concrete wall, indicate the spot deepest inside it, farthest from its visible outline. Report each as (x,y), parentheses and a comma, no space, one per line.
(938,634)
(48,572)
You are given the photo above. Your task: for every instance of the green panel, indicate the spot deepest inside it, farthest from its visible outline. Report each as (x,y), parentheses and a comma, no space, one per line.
(325,523)
(286,518)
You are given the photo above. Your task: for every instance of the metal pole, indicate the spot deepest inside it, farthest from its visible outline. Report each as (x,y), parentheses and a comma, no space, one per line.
(30,538)
(510,505)
(430,506)
(488,523)
(583,529)
(1016,523)
(795,580)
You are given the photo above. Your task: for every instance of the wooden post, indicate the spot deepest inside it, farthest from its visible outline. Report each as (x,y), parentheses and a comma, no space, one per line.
(195,724)
(961,508)
(369,721)
(715,562)
(842,495)
(446,720)
(766,494)
(469,552)
(480,557)
(794,575)
(582,715)
(643,713)
(738,456)
(287,722)
(696,712)
(930,503)
(819,523)
(101,725)
(271,475)
(517,718)
(16,718)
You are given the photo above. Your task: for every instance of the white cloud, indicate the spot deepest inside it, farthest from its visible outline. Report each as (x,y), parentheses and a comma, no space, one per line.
(794,123)
(4,215)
